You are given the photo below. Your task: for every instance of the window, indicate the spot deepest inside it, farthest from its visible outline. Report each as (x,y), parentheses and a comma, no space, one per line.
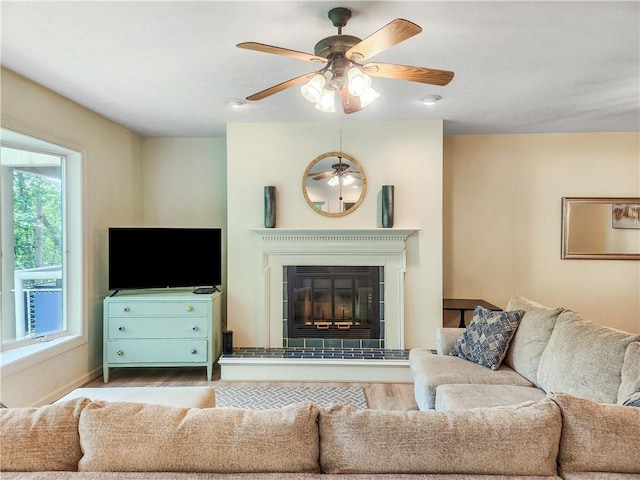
(41,237)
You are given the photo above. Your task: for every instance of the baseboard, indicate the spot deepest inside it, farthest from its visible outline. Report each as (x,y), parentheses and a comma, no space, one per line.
(62,391)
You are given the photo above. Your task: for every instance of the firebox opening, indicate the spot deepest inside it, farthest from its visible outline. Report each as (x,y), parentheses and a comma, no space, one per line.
(338,305)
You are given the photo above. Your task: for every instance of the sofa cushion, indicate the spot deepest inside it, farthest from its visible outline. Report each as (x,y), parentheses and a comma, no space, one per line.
(630,381)
(531,337)
(460,442)
(200,397)
(446,338)
(584,359)
(462,397)
(429,371)
(140,437)
(487,337)
(598,437)
(43,438)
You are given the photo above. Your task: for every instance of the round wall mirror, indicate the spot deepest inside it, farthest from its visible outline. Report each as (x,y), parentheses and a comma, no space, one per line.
(334,184)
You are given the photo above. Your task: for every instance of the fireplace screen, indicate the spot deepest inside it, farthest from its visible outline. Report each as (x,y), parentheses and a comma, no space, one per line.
(333,302)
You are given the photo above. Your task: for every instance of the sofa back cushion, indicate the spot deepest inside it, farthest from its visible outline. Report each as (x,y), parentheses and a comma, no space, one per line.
(532,336)
(134,437)
(598,437)
(630,372)
(584,359)
(41,439)
(454,442)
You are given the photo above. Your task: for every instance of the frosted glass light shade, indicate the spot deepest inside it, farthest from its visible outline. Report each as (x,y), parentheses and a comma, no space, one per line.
(358,81)
(348,179)
(327,101)
(368,96)
(312,90)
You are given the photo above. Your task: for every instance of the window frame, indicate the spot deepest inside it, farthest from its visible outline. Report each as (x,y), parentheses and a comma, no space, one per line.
(24,353)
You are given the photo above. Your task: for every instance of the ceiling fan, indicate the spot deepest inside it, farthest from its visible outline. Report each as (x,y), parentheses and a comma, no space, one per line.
(346,70)
(340,172)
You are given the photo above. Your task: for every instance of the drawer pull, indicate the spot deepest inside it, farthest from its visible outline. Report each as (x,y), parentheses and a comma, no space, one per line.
(194,351)
(119,353)
(194,328)
(189,308)
(126,309)
(121,328)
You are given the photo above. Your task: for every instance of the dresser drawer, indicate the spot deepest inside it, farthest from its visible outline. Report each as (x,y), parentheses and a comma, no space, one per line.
(157,351)
(161,327)
(159,308)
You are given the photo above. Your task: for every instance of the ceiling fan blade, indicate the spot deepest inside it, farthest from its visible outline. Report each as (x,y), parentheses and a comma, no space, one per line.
(350,103)
(281,86)
(412,74)
(261,47)
(321,176)
(391,34)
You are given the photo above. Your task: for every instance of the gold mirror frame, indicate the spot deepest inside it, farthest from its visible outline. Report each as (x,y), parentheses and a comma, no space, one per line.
(308,174)
(601,228)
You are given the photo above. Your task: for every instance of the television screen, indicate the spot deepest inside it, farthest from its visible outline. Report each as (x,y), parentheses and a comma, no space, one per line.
(149,257)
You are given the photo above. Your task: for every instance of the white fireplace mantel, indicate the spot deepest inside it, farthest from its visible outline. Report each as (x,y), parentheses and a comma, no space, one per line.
(335,233)
(364,247)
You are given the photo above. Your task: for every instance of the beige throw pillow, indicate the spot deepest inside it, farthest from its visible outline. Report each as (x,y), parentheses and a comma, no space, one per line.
(134,437)
(598,437)
(516,440)
(41,439)
(532,336)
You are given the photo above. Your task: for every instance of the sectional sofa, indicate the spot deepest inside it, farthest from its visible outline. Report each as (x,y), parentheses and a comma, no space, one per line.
(556,404)
(560,436)
(552,350)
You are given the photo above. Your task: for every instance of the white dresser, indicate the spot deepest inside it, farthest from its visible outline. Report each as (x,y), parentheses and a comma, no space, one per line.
(162,328)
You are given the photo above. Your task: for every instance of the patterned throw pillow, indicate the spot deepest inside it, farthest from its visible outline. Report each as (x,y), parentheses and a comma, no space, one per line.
(634,399)
(486,339)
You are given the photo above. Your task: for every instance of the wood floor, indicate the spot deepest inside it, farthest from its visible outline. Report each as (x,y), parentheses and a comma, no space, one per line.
(380,396)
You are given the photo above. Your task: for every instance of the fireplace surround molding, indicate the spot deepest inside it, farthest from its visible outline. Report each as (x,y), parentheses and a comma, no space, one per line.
(384,247)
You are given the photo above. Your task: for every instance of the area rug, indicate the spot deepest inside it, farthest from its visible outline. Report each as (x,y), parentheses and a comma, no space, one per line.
(260,398)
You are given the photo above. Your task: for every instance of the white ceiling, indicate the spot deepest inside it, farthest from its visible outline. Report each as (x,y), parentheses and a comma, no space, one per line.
(167,68)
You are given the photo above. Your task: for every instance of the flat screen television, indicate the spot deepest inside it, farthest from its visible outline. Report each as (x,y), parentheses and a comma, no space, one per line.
(150,257)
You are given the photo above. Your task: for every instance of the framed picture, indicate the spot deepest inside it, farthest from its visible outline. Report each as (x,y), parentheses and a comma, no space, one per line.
(626,215)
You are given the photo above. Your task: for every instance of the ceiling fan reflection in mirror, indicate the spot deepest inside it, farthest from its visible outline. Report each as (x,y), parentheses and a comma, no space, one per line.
(340,173)
(346,70)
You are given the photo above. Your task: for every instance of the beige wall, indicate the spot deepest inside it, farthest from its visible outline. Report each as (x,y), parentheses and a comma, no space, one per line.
(405,154)
(502,217)
(112,172)
(185,185)
(500,198)
(185,182)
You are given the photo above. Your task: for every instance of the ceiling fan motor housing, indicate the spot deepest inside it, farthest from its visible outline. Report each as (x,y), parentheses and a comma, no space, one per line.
(335,44)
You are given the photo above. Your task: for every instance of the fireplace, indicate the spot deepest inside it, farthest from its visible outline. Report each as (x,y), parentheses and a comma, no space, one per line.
(333,303)
(380,249)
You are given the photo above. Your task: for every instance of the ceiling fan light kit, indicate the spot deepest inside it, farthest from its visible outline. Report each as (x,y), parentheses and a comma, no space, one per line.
(312,91)
(345,70)
(327,101)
